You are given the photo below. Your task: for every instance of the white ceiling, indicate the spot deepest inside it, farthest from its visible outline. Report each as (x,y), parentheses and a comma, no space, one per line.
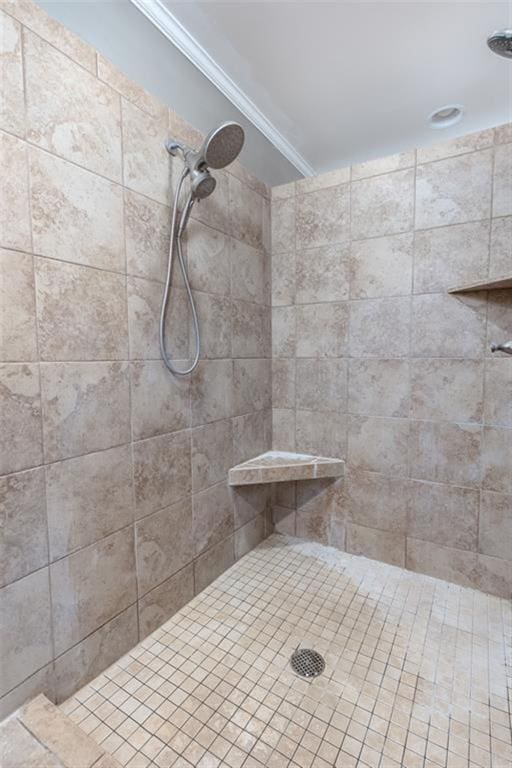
(344,82)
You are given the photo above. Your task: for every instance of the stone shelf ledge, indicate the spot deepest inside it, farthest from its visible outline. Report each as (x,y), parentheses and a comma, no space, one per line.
(491,284)
(283,466)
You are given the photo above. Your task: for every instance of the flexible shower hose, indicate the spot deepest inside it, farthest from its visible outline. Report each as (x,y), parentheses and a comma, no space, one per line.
(163,311)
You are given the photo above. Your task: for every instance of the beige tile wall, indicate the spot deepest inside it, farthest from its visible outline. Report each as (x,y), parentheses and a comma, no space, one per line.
(375,362)
(114,506)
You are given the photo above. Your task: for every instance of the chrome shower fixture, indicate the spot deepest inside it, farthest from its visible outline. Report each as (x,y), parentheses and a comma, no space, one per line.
(220,148)
(500,42)
(506,347)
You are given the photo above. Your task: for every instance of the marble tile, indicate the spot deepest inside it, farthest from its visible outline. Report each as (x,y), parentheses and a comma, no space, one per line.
(80,664)
(502,187)
(160,402)
(380,328)
(88,498)
(322,330)
(499,320)
(444,514)
(378,387)
(447,390)
(76,215)
(212,517)
(382,267)
(457,146)
(283,224)
(497,459)
(323,217)
(70,112)
(450,256)
(144,302)
(445,453)
(323,274)
(249,536)
(501,246)
(383,165)
(283,279)
(147,226)
(12,105)
(91,586)
(162,472)
(212,391)
(250,273)
(283,331)
(24,613)
(252,435)
(161,603)
(495,529)
(209,256)
(252,380)
(283,383)
(321,383)
(498,392)
(85,407)
(378,445)
(81,312)
(454,190)
(212,563)
(20,409)
(376,501)
(214,314)
(283,429)
(24,542)
(377,545)
(448,326)
(212,447)
(17,307)
(251,332)
(250,501)
(163,544)
(245,213)
(448,563)
(146,162)
(32,16)
(14,196)
(319,433)
(117,80)
(329,179)
(41,681)
(383,205)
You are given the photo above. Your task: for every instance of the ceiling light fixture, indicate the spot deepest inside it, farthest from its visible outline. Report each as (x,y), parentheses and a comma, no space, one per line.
(446,116)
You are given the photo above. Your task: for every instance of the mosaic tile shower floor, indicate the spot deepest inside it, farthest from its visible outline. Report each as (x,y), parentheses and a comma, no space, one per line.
(418,672)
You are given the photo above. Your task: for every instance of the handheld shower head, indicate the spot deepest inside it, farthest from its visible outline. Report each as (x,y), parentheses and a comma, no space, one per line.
(202,183)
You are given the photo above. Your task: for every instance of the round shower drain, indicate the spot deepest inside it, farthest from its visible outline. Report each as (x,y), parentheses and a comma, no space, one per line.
(307,663)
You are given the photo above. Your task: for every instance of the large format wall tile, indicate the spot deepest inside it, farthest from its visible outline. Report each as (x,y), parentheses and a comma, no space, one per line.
(17,307)
(447,390)
(378,445)
(214,314)
(92,586)
(445,453)
(323,217)
(322,329)
(160,401)
(146,162)
(250,274)
(318,432)
(76,215)
(321,383)
(448,326)
(24,541)
(147,228)
(448,563)
(497,459)
(246,209)
(322,274)
(454,190)
(383,205)
(88,498)
(14,198)
(498,392)
(251,386)
(378,545)
(212,447)
(164,601)
(283,331)
(212,563)
(283,279)
(252,435)
(209,255)
(144,302)
(162,472)
(12,106)
(458,146)
(212,517)
(250,330)
(495,529)
(379,387)
(444,514)
(377,501)
(501,246)
(382,266)
(69,111)
(81,312)
(283,383)
(283,225)
(85,407)
(20,417)
(212,391)
(164,544)
(502,188)
(380,328)
(25,629)
(383,165)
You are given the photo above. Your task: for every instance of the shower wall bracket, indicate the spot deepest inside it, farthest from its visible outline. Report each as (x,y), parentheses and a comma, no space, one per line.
(283,466)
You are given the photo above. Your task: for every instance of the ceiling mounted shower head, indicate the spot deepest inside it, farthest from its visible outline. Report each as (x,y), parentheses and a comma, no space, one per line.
(501,43)
(222,145)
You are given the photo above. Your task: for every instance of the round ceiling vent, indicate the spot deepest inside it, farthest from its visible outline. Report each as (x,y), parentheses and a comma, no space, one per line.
(446,116)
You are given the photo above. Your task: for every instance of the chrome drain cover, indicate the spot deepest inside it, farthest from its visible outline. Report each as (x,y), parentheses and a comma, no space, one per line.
(307,663)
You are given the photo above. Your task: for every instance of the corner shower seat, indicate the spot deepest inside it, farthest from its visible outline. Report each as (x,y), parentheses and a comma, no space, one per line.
(283,466)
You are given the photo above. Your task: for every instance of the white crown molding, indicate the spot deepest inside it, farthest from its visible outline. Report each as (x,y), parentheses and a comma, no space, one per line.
(174,30)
